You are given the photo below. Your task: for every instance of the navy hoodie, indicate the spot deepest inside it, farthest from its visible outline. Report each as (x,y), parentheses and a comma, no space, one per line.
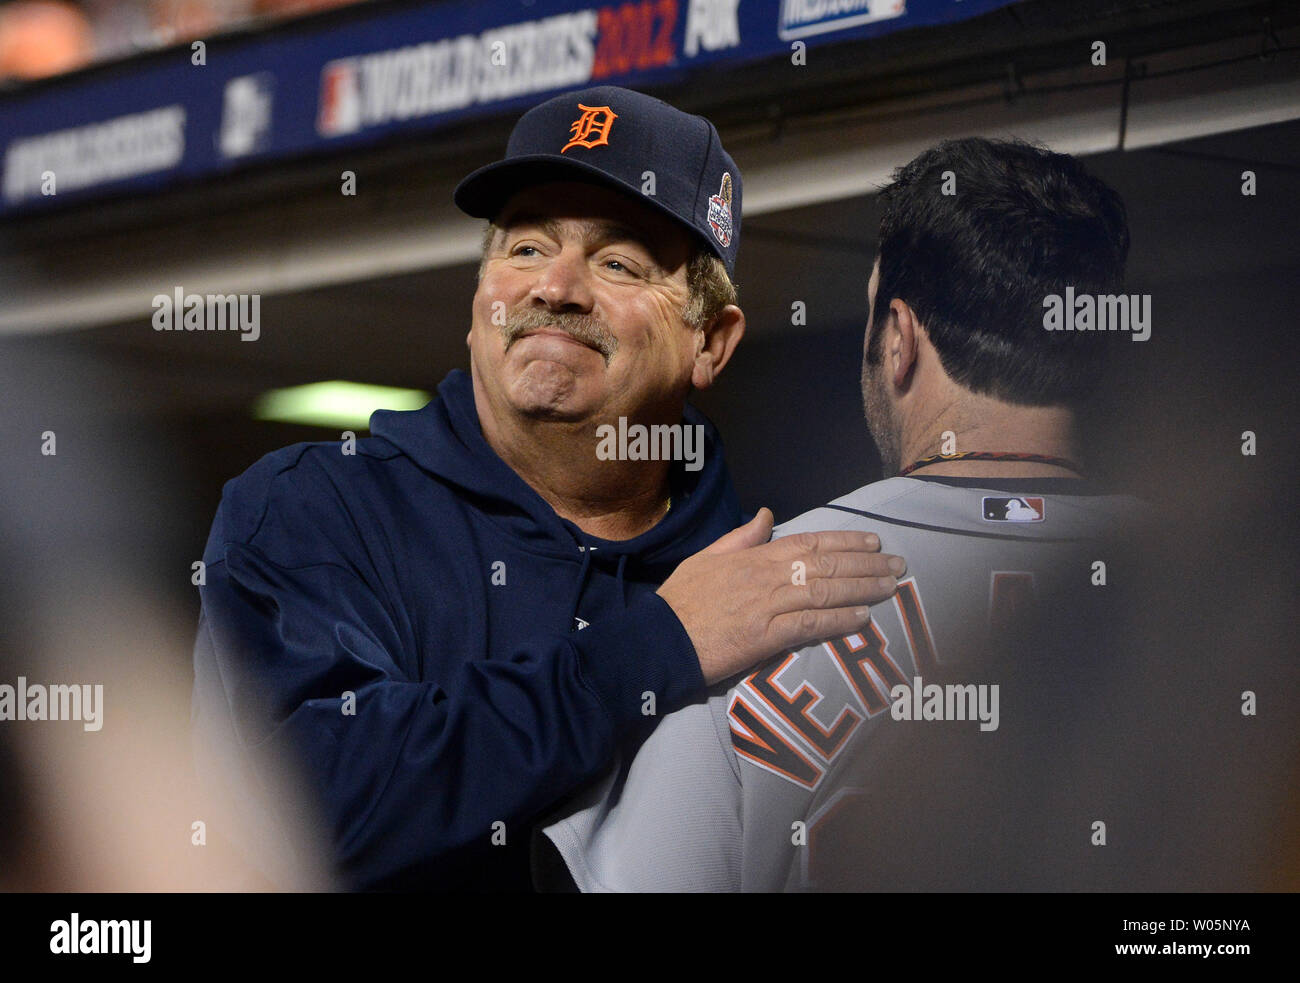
(427,578)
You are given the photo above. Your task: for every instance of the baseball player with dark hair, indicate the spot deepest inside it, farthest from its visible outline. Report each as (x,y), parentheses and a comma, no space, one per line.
(974,406)
(450,629)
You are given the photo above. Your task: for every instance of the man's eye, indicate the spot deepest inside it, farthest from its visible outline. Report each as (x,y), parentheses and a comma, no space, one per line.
(523,250)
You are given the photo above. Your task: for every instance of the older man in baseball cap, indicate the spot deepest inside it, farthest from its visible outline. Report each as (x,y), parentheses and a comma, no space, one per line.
(455,626)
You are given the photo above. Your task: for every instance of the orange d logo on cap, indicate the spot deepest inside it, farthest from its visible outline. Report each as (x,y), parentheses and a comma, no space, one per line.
(684,151)
(595,120)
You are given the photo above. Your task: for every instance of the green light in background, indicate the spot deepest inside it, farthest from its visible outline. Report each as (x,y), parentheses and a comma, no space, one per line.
(334,404)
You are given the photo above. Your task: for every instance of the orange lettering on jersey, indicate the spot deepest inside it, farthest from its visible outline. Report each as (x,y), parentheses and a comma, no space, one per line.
(753,738)
(1011,597)
(794,709)
(854,653)
(594,120)
(912,613)
(836,825)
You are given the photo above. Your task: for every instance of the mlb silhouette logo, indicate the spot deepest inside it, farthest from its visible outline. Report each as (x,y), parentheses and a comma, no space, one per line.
(1013,509)
(340,99)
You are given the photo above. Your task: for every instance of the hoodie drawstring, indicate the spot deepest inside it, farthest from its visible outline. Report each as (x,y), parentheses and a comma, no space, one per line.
(622,564)
(582,583)
(584,573)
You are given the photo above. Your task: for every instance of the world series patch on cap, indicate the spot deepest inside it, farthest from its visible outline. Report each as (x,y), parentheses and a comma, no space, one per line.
(628,141)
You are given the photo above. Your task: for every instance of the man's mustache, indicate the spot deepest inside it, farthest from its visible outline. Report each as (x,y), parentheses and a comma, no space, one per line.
(585,328)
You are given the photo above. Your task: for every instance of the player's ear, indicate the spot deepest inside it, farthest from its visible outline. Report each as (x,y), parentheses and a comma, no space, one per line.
(902,341)
(715,343)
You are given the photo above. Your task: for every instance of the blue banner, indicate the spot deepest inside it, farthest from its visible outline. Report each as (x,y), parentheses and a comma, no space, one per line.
(326,85)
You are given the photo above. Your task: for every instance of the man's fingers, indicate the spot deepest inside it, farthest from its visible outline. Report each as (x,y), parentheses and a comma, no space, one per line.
(838,592)
(805,544)
(755,532)
(788,632)
(856,564)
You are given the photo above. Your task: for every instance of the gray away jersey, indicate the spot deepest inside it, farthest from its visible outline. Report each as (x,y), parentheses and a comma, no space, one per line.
(731,794)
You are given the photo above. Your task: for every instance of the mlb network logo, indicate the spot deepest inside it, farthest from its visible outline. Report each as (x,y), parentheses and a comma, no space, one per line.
(1013,509)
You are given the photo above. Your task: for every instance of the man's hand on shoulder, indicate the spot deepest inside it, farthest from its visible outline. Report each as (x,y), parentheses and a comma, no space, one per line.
(743,599)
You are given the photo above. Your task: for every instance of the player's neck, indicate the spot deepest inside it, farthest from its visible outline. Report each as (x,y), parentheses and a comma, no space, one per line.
(988,425)
(995,469)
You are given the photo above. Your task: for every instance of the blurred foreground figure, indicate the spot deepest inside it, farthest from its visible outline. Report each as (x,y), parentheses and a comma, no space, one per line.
(97,791)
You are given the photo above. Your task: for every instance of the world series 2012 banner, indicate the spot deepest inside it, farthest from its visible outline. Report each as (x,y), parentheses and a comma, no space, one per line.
(315,87)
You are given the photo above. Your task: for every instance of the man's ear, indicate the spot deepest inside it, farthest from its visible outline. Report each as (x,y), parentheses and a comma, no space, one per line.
(901,342)
(715,344)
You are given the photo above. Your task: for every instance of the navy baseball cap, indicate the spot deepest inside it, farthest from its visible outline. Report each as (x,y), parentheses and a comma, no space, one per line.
(613,136)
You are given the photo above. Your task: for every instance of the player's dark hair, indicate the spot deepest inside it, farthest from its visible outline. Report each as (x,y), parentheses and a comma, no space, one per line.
(976,264)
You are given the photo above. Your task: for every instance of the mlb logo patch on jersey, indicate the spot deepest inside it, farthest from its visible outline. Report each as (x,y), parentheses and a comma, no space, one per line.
(1013,509)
